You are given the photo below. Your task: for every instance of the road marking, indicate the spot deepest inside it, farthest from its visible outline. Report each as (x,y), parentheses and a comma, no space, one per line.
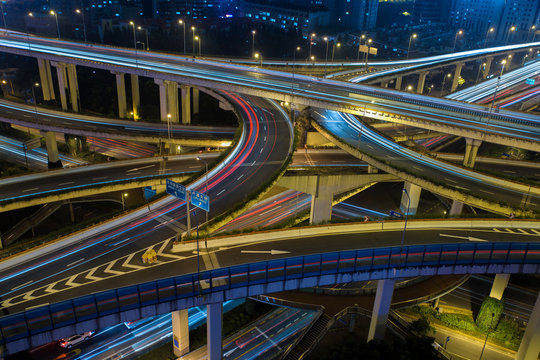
(36,306)
(496,230)
(509,171)
(119,242)
(91,276)
(241,176)
(487,192)
(49,289)
(71,282)
(135,173)
(221,192)
(523,231)
(535,231)
(261,150)
(100,178)
(20,286)
(193,167)
(417,168)
(127,264)
(109,269)
(143,167)
(271,252)
(73,263)
(469,238)
(509,230)
(66,183)
(30,189)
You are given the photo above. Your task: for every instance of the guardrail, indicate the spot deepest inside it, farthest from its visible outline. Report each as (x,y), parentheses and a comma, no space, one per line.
(460,255)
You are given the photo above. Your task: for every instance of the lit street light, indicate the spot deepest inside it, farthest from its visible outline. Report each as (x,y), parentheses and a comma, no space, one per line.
(146,31)
(326,58)
(81,12)
(181,22)
(490,30)
(4,82)
(362,37)
(455,39)
(134,35)
(533,28)
(193,41)
(169,127)
(413,36)
(259,56)
(334,49)
(124,195)
(444,80)
(311,43)
(483,66)
(52,12)
(367,53)
(253,32)
(507,35)
(199,41)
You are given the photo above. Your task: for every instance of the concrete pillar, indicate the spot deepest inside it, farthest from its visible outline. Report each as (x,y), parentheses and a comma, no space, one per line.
(485,73)
(381,308)
(121,94)
(45,77)
(399,79)
(135,96)
(195,100)
(384,84)
(457,208)
(214,313)
(499,285)
(421,82)
(52,150)
(180,329)
(457,74)
(62,83)
(471,150)
(168,99)
(530,343)
(372,169)
(186,111)
(321,208)
(414,194)
(73,86)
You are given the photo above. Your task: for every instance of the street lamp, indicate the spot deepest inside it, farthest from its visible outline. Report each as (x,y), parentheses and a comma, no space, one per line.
(367,53)
(81,12)
(4,82)
(533,28)
(193,39)
(253,32)
(134,35)
(444,80)
(147,44)
(483,66)
(206,185)
(503,63)
(413,36)
(124,195)
(490,30)
(181,22)
(334,49)
(409,87)
(259,56)
(312,58)
(455,39)
(169,127)
(362,37)
(326,58)
(199,41)
(510,30)
(52,12)
(487,335)
(405,225)
(311,43)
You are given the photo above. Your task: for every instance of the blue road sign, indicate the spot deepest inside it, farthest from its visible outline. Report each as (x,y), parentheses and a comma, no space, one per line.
(396,214)
(149,192)
(530,81)
(176,189)
(200,200)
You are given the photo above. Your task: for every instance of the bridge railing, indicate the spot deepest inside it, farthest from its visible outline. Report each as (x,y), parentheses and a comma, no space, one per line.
(48,317)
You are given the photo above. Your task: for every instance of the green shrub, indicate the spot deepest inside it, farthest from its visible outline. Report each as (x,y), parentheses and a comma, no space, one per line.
(489,314)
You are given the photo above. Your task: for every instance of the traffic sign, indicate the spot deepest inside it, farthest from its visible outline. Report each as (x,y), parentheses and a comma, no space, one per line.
(149,192)
(200,200)
(530,81)
(396,214)
(176,189)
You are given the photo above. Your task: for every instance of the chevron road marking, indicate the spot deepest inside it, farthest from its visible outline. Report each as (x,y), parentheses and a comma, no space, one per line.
(49,289)
(111,271)
(70,282)
(161,251)
(510,231)
(127,264)
(535,231)
(91,276)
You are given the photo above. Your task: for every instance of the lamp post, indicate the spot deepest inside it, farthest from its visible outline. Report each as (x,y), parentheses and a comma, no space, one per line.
(193,39)
(533,28)
(496,88)
(182,22)
(311,43)
(326,58)
(253,32)
(134,35)
(146,31)
(455,39)
(367,53)
(3,15)
(4,82)
(334,49)
(479,69)
(52,12)
(81,12)
(487,335)
(510,30)
(206,183)
(124,195)
(490,30)
(362,37)
(198,38)
(169,128)
(413,36)
(444,80)
(405,225)
(34,95)
(259,56)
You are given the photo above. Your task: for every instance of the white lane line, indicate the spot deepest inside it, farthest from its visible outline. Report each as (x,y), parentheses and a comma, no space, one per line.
(29,189)
(509,171)
(66,183)
(75,262)
(487,192)
(241,176)
(221,192)
(447,179)
(20,286)
(135,173)
(261,150)
(418,168)
(100,178)
(143,167)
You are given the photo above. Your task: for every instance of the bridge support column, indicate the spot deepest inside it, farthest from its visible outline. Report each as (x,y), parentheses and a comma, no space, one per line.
(186,111)
(52,150)
(73,86)
(414,194)
(456,208)
(121,93)
(62,83)
(421,82)
(135,97)
(381,308)
(213,330)
(168,99)
(180,328)
(471,149)
(499,285)
(384,84)
(485,73)
(45,77)
(457,74)
(321,208)
(530,343)
(399,79)
(195,100)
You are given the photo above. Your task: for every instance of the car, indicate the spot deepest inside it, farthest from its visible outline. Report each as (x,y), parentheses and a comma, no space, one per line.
(75,339)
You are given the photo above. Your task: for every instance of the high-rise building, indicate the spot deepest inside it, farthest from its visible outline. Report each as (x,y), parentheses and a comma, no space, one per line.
(353,14)
(428,11)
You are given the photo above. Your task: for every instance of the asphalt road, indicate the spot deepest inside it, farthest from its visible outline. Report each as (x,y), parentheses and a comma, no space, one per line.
(260,154)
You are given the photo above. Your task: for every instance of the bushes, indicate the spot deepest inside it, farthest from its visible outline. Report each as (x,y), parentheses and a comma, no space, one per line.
(490,313)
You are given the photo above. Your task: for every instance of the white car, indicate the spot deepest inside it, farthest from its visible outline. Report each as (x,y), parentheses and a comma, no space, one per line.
(75,339)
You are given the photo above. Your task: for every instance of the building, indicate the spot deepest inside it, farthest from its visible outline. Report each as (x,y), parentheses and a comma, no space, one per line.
(353,15)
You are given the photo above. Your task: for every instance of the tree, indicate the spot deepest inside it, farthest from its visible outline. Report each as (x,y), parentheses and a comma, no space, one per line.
(490,313)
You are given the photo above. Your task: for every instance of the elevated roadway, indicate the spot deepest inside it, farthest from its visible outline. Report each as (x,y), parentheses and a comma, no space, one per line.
(472,121)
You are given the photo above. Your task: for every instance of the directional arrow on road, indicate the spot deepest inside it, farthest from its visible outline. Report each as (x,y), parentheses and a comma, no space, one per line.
(470,238)
(137,169)
(271,252)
